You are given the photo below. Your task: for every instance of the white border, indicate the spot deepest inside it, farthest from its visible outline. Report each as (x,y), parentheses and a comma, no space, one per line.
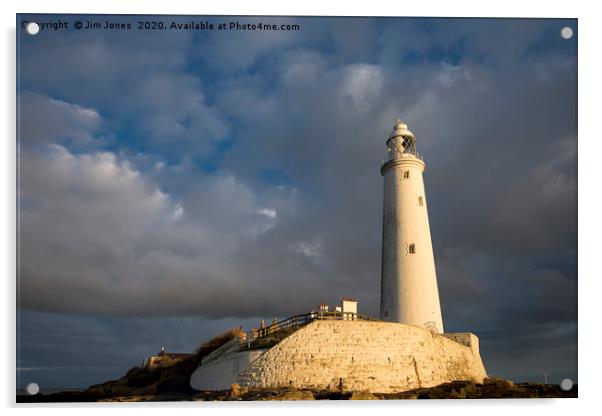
(589,33)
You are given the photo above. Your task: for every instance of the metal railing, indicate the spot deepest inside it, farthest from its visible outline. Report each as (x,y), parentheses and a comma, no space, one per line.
(273,334)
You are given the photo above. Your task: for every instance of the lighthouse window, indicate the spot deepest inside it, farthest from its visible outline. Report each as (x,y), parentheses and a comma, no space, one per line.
(420,201)
(406,174)
(412,249)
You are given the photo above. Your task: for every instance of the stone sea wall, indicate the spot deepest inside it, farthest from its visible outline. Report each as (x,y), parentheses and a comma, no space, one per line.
(379,357)
(221,373)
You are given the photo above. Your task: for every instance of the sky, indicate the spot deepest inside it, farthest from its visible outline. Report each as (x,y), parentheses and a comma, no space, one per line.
(176,183)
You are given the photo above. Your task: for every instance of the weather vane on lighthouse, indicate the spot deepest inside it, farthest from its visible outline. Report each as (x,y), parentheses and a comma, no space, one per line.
(409,292)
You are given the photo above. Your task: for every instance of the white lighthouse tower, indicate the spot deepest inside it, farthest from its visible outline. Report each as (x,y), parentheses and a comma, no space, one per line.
(409,293)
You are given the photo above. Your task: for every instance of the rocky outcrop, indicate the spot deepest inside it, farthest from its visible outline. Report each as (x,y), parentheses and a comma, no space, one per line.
(362,395)
(491,388)
(293,395)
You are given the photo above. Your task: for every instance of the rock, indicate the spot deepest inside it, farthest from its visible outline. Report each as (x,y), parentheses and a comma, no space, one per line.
(495,387)
(145,391)
(462,390)
(406,396)
(363,395)
(293,395)
(470,389)
(453,394)
(499,382)
(235,390)
(451,390)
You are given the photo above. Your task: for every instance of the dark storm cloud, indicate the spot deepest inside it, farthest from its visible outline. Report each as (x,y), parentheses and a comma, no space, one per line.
(61,351)
(120,231)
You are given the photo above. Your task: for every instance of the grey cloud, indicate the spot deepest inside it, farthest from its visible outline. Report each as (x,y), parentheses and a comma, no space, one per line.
(237,50)
(98,237)
(523,353)
(136,82)
(43,119)
(538,213)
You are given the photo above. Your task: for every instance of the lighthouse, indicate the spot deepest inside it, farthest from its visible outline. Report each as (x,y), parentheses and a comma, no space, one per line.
(317,352)
(409,293)
(309,354)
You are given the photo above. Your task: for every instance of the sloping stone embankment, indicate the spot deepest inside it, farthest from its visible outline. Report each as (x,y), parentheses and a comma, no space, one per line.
(370,356)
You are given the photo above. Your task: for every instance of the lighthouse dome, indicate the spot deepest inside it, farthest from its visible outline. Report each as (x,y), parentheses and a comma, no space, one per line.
(400,129)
